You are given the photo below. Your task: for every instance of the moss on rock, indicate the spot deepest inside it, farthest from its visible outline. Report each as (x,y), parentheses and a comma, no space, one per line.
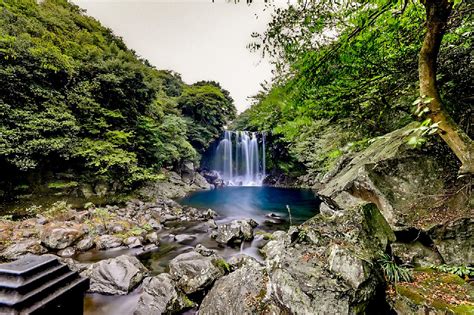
(434,293)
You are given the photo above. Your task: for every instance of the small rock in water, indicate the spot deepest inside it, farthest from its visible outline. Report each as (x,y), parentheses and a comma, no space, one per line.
(159,296)
(133,241)
(235,231)
(116,276)
(201,249)
(194,272)
(67,252)
(184,238)
(85,244)
(152,238)
(211,224)
(107,241)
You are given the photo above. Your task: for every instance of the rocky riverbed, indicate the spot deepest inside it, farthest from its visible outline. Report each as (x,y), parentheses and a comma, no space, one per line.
(162,257)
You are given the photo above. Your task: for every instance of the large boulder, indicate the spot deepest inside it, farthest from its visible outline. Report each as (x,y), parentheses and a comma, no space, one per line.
(245,291)
(455,241)
(235,231)
(59,237)
(404,183)
(194,272)
(24,247)
(328,263)
(116,276)
(160,296)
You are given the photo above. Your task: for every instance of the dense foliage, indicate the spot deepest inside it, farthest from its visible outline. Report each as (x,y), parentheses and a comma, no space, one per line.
(334,93)
(75,99)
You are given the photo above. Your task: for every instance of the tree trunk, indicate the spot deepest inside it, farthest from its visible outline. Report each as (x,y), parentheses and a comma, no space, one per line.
(437,14)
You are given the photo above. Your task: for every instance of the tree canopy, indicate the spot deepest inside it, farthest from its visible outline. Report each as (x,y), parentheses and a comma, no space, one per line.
(348,72)
(74,98)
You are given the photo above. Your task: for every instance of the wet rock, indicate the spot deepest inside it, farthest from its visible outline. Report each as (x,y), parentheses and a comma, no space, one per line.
(133,241)
(238,261)
(201,249)
(455,241)
(415,254)
(235,231)
(184,238)
(107,241)
(328,262)
(210,214)
(152,238)
(56,237)
(160,296)
(194,272)
(85,244)
(67,252)
(154,224)
(211,224)
(116,276)
(24,247)
(168,217)
(244,291)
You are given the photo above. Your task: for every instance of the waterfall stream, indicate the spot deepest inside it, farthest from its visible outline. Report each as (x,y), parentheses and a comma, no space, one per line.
(240,158)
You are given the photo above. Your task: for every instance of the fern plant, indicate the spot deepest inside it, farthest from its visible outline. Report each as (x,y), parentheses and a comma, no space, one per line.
(393,272)
(462,271)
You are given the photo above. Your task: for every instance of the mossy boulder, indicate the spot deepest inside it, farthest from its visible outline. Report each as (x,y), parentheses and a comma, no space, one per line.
(433,292)
(407,185)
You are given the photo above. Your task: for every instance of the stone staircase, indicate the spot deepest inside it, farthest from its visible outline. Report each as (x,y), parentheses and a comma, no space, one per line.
(40,285)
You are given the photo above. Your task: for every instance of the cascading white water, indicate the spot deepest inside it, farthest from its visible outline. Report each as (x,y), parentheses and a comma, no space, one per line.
(244,166)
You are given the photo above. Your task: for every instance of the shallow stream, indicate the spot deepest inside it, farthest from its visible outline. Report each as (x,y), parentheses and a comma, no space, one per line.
(271,207)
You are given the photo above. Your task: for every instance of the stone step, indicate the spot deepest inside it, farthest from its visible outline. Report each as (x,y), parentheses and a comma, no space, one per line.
(19,271)
(40,284)
(6,287)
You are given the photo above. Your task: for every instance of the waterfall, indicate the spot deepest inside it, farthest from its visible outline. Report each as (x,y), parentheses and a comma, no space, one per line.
(240,158)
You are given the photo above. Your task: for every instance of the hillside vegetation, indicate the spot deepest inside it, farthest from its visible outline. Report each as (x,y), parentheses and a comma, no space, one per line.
(75,100)
(334,95)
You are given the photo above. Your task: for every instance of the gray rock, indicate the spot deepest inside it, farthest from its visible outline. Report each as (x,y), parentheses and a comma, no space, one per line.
(399,180)
(116,276)
(168,217)
(85,244)
(328,262)
(194,272)
(235,231)
(107,241)
(240,260)
(211,224)
(201,249)
(160,296)
(152,238)
(56,237)
(455,241)
(415,254)
(245,291)
(184,238)
(133,241)
(24,247)
(348,266)
(210,214)
(67,252)
(154,224)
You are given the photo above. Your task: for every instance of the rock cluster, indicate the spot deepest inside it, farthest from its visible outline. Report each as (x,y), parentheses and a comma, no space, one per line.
(135,225)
